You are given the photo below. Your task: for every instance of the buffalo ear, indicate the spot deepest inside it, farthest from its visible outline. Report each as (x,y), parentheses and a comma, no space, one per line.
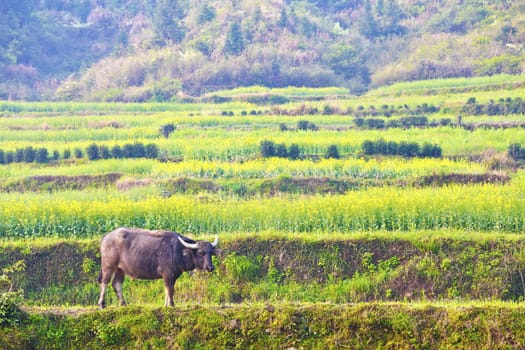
(217,251)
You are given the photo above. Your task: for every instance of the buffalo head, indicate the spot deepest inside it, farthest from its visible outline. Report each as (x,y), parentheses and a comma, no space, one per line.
(202,252)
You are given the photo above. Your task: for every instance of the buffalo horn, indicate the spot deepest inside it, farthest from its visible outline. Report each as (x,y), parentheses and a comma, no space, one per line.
(216,241)
(188,245)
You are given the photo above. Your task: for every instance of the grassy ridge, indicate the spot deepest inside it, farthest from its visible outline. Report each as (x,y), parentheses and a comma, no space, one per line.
(276,290)
(276,267)
(452,85)
(278,326)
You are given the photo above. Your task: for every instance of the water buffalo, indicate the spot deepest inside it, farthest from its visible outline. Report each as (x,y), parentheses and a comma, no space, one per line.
(145,254)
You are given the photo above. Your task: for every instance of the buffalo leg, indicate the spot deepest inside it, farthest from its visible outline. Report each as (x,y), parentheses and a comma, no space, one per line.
(169,283)
(168,300)
(103,279)
(118,279)
(101,302)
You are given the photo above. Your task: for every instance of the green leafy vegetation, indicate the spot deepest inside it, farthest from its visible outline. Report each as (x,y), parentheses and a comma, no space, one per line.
(11,296)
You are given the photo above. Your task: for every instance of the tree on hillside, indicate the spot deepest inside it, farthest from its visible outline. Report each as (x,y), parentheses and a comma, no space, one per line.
(392,16)
(167,21)
(283,19)
(345,60)
(336,5)
(234,40)
(207,14)
(22,7)
(14,16)
(257,14)
(368,25)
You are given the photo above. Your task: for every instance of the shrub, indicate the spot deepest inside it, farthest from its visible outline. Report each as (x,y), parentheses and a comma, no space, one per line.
(79,153)
(167,129)
(502,107)
(92,152)
(128,150)
(359,122)
(374,123)
(392,148)
(104,152)
(152,151)
(381,146)
(328,110)
(294,152)
(408,149)
(306,125)
(41,155)
(417,121)
(393,123)
(516,152)
(67,153)
(117,152)
(139,151)
(19,155)
(302,125)
(368,147)
(9,157)
(270,149)
(2,157)
(136,150)
(430,151)
(29,154)
(332,152)
(267,148)
(281,151)
(445,121)
(404,149)
(426,108)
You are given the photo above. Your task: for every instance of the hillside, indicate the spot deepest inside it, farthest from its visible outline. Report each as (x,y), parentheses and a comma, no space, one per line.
(145,50)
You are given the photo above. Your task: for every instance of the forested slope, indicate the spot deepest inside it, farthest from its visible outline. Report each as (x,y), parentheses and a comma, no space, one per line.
(138,50)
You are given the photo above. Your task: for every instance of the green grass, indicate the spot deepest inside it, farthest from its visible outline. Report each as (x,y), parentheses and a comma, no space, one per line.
(437,86)
(288,92)
(112,107)
(272,326)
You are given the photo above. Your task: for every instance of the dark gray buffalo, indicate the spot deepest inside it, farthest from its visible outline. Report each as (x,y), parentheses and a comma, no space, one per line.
(145,254)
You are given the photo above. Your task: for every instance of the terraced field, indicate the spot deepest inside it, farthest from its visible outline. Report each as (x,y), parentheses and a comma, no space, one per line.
(325,245)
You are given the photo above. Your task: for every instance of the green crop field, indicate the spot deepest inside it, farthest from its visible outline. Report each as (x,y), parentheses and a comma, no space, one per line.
(312,224)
